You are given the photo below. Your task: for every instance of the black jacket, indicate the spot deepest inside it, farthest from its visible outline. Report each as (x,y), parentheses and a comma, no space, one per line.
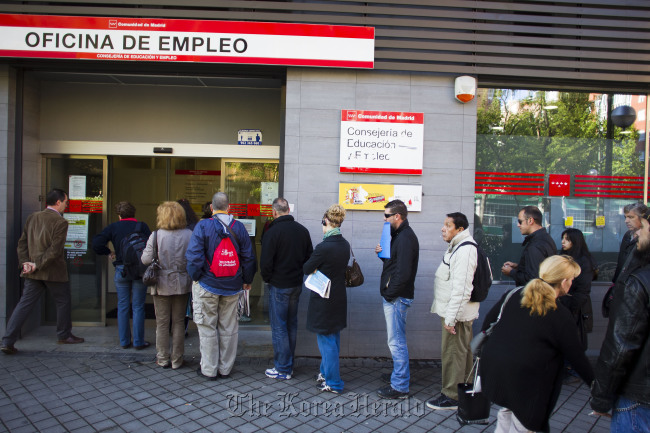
(398,274)
(326,316)
(522,363)
(578,300)
(286,246)
(627,246)
(114,233)
(623,367)
(537,246)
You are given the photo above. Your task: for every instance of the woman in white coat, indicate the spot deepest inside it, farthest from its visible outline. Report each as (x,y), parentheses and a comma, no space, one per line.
(171,292)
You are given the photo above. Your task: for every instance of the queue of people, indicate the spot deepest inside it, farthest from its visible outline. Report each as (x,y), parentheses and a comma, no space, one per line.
(539,329)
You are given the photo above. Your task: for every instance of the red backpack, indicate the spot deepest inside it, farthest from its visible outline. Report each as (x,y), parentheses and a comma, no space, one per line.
(225,260)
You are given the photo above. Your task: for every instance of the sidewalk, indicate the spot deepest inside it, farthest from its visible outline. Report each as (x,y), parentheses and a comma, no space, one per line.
(99,387)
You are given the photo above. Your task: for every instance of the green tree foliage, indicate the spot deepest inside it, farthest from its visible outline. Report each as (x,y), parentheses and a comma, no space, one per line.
(535,135)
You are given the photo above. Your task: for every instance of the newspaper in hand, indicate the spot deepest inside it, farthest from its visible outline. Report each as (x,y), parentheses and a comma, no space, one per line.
(319,283)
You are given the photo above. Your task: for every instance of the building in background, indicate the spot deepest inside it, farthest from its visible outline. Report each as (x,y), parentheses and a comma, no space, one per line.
(259,114)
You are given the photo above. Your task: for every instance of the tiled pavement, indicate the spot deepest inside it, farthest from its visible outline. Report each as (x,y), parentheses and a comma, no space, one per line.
(53,388)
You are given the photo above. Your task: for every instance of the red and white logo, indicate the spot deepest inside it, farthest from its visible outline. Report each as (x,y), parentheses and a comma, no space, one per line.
(559,185)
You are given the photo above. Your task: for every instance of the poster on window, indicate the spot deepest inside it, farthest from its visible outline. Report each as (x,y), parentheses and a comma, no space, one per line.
(384,142)
(77,238)
(374,196)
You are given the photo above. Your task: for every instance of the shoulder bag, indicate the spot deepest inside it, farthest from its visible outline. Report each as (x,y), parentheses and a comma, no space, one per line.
(150,276)
(479,339)
(353,275)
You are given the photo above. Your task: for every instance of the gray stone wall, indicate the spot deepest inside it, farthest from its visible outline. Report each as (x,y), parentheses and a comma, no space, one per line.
(314,100)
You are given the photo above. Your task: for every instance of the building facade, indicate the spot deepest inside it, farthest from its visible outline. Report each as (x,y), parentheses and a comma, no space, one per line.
(154,129)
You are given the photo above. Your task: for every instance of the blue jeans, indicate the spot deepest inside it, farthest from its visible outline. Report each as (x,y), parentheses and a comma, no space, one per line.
(629,416)
(395,313)
(329,346)
(130,293)
(283,314)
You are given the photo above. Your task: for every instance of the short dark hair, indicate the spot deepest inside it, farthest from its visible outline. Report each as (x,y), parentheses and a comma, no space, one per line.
(281,205)
(55,195)
(207,212)
(533,212)
(460,220)
(397,206)
(125,209)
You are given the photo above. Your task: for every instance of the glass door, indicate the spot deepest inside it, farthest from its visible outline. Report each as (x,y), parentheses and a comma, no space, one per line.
(84,178)
(252,185)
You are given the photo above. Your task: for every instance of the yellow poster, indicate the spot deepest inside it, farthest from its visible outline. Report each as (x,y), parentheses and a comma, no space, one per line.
(374,196)
(568,221)
(600,221)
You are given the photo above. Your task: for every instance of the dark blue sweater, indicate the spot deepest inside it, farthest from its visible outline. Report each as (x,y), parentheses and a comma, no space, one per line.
(115,232)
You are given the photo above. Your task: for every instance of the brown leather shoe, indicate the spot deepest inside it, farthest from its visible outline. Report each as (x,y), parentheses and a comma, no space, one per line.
(71,340)
(8,349)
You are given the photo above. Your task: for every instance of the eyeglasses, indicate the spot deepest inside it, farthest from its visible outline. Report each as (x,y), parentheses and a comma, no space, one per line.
(521,221)
(388,215)
(323,222)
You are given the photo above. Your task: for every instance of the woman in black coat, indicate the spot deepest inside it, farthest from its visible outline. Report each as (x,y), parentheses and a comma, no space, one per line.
(522,363)
(328,316)
(578,300)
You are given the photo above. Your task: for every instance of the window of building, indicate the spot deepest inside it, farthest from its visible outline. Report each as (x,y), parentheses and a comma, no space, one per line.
(553,149)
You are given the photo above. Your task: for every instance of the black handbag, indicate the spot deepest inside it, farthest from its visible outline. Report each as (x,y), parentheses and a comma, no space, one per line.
(473,405)
(353,274)
(150,277)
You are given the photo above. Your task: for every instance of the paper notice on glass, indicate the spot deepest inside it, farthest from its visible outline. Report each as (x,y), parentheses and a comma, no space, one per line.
(77,187)
(77,238)
(319,283)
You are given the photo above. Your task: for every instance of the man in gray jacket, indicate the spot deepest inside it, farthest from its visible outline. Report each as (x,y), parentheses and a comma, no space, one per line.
(452,291)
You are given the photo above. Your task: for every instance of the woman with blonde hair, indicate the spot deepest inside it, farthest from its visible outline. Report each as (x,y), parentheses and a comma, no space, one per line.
(522,363)
(171,292)
(328,316)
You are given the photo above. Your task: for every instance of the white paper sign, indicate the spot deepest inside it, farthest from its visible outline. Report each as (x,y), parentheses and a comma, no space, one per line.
(269,192)
(77,187)
(381,142)
(249,224)
(77,238)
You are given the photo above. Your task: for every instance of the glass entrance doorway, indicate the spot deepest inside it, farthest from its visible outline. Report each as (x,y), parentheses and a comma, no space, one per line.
(97,184)
(84,178)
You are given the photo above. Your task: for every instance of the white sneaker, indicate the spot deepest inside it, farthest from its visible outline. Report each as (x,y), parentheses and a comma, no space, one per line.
(319,378)
(275,374)
(324,387)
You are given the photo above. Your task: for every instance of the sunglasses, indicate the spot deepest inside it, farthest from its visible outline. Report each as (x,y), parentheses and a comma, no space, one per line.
(388,215)
(323,222)
(521,221)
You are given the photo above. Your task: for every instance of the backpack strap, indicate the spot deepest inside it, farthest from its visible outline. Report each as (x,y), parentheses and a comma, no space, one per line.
(456,249)
(232,233)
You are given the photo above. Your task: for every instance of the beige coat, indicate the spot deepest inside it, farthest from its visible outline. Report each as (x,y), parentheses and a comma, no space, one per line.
(453,284)
(42,242)
(173,279)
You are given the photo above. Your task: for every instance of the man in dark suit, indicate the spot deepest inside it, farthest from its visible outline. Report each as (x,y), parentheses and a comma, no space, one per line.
(41,255)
